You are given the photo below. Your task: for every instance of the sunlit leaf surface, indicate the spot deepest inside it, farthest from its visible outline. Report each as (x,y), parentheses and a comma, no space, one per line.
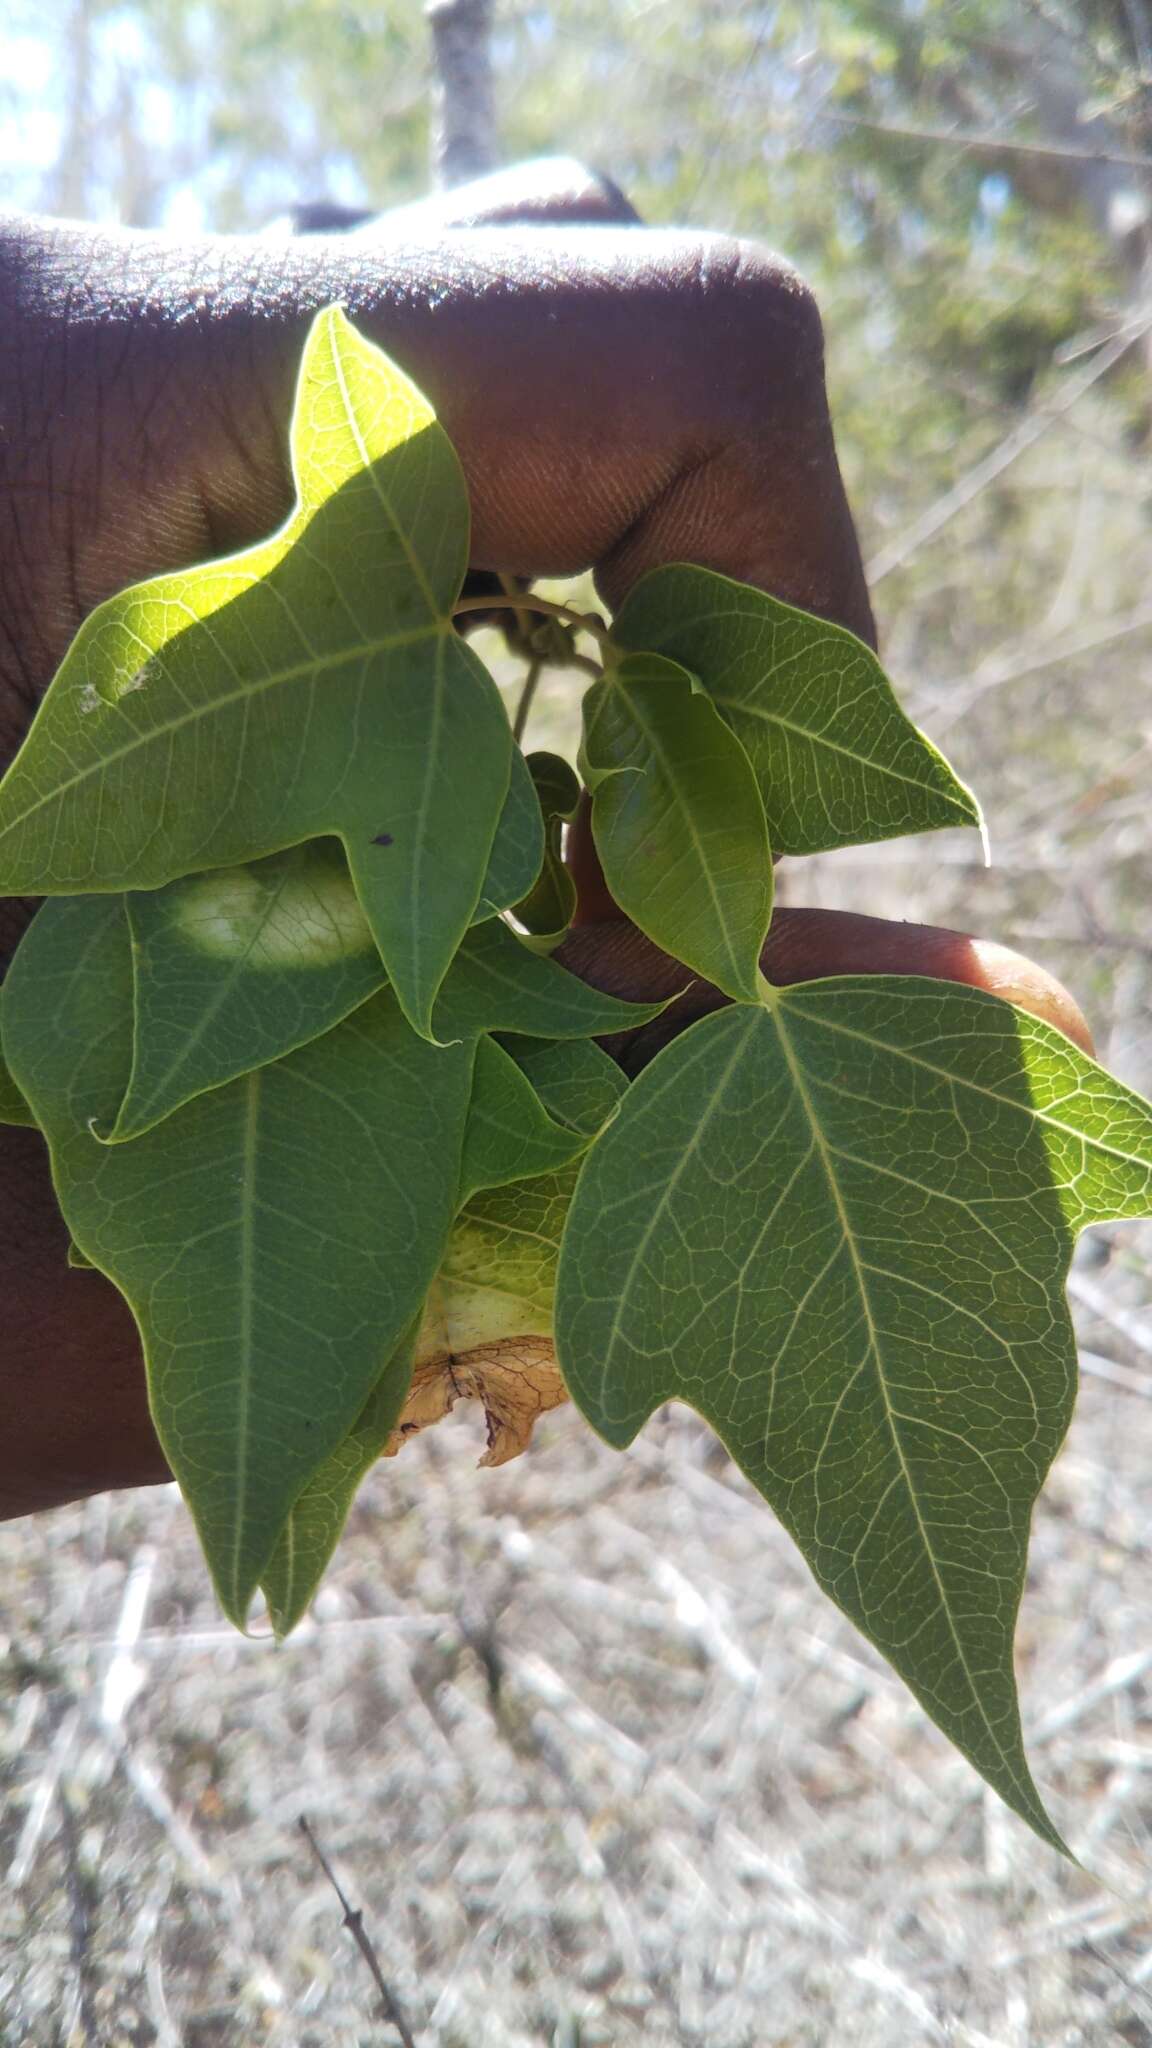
(312,685)
(236,967)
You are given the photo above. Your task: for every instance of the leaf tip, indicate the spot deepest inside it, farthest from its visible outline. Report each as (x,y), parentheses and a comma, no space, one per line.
(985,841)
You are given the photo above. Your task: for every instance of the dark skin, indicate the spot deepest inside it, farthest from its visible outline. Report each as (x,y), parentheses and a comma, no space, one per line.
(620,398)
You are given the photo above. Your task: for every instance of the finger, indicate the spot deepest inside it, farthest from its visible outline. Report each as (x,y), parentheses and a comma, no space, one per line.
(75,1408)
(546,190)
(804,945)
(619,398)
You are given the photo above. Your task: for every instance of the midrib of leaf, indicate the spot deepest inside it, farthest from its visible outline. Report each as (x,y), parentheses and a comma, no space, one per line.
(414,563)
(310,668)
(776,1007)
(921,1286)
(686,812)
(741,706)
(287,1541)
(671,1186)
(247,1261)
(1028,1109)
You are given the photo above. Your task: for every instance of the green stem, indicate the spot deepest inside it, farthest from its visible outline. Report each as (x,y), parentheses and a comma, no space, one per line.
(533,676)
(527,601)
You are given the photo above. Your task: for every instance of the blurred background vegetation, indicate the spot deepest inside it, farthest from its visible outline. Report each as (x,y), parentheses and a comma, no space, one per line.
(629,1798)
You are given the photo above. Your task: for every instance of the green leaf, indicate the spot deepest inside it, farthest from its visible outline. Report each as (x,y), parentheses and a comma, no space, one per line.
(313,685)
(238,966)
(510,1135)
(678,820)
(272,1238)
(548,908)
(486,1290)
(497,983)
(77,1260)
(574,1079)
(313,1528)
(839,1227)
(234,968)
(837,760)
(13,1108)
(518,849)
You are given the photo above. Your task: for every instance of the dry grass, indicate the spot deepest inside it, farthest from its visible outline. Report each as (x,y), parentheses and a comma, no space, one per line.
(595,1757)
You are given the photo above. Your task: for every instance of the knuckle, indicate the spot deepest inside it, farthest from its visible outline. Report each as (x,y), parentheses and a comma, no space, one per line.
(767,321)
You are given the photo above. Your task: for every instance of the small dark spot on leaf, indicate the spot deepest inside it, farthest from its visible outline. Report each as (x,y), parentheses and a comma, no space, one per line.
(382,839)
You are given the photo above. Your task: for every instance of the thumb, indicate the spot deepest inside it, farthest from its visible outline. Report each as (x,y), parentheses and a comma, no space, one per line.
(805,945)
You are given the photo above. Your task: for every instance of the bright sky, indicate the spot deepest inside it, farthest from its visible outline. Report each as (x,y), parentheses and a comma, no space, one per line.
(35,78)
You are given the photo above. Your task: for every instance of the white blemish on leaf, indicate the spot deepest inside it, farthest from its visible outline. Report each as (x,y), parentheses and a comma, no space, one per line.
(306,917)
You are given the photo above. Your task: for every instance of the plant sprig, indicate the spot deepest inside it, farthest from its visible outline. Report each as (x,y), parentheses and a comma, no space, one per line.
(322,1107)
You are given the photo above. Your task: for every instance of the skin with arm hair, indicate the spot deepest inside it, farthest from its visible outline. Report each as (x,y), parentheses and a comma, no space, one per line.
(619,397)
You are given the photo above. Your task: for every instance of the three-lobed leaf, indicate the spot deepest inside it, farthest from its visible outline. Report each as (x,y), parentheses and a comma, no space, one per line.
(312,685)
(678,820)
(839,1226)
(838,762)
(272,1238)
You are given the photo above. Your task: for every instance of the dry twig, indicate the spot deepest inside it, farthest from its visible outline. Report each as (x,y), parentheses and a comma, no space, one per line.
(354,1922)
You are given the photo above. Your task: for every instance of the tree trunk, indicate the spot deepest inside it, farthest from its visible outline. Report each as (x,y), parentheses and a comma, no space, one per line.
(464,131)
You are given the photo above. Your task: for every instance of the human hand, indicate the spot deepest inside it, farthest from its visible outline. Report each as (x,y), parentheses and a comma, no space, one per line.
(619,398)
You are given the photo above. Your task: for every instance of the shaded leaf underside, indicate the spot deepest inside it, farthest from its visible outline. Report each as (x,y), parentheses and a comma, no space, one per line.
(840,1228)
(678,820)
(272,1238)
(837,760)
